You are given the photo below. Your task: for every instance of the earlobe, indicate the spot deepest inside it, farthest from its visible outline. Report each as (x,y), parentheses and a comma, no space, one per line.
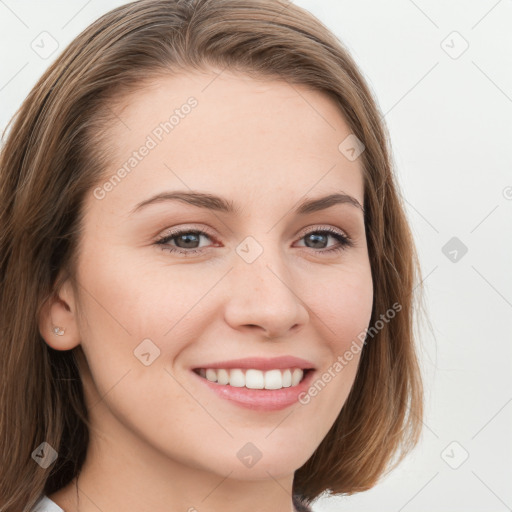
(57,320)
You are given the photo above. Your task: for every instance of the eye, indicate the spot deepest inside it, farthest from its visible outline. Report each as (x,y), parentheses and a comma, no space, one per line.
(185,241)
(316,236)
(187,238)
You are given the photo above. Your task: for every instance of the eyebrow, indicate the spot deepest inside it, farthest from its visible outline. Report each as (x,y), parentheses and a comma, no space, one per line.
(216,203)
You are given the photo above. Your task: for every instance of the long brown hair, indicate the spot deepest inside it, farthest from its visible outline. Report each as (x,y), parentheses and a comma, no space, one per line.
(55,154)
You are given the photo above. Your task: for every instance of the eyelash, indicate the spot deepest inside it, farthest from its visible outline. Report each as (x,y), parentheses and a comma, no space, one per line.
(344,241)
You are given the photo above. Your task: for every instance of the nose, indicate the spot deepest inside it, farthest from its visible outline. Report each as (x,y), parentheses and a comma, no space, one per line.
(263,298)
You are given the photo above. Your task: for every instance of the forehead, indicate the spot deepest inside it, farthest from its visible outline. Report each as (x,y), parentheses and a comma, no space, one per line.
(230,134)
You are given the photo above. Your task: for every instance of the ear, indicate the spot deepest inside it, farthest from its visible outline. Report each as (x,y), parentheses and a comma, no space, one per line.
(60,311)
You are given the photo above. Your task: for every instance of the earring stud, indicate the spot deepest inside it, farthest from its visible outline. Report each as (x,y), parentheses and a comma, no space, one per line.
(58,331)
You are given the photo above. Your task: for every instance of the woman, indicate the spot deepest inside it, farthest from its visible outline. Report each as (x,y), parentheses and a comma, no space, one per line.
(207,272)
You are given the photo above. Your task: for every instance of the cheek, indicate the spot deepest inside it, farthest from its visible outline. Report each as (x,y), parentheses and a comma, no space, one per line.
(133,326)
(345,305)
(133,315)
(134,296)
(343,310)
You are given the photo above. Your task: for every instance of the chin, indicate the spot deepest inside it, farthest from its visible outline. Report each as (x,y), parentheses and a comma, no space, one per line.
(250,463)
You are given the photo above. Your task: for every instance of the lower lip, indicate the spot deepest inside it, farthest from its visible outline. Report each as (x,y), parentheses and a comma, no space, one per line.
(260,399)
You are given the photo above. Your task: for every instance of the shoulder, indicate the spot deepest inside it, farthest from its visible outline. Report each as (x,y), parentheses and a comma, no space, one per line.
(45,504)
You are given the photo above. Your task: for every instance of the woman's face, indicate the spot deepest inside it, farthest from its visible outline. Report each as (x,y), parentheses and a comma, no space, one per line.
(264,281)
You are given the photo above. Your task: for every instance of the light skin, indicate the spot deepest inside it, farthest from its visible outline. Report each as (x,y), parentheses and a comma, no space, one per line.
(162,440)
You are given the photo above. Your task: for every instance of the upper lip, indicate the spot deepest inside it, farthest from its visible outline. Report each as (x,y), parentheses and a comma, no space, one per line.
(262,363)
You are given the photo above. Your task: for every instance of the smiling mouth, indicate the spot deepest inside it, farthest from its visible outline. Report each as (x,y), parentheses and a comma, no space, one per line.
(254,378)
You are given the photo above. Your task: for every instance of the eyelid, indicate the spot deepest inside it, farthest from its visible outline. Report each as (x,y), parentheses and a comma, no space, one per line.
(322,227)
(183,227)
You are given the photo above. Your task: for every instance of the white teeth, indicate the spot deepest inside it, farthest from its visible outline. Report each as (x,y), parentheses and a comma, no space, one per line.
(254,379)
(297,376)
(236,378)
(274,379)
(211,375)
(222,376)
(287,378)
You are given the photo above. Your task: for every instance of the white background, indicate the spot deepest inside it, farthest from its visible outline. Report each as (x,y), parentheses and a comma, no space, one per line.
(450,121)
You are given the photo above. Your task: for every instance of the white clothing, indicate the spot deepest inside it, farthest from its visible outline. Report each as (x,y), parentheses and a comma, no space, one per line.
(45,504)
